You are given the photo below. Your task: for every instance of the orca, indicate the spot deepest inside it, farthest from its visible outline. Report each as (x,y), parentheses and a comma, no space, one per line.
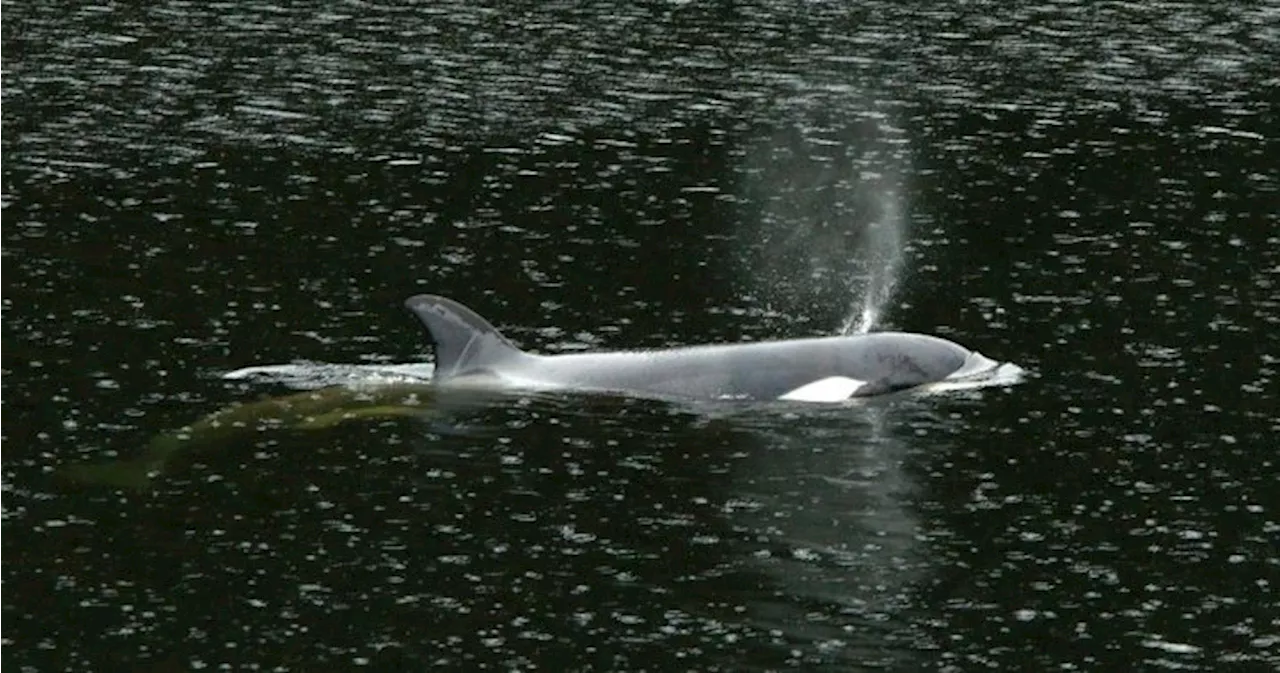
(470,351)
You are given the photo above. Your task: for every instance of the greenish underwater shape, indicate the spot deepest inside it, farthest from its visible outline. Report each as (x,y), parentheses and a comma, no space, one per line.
(311,410)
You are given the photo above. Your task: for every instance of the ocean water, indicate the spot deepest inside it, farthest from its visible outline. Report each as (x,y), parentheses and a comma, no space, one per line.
(1086,189)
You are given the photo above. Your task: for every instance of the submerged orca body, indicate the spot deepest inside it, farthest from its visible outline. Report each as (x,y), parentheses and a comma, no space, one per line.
(470,351)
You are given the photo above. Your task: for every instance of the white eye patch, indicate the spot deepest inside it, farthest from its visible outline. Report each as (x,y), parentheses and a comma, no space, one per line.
(830,389)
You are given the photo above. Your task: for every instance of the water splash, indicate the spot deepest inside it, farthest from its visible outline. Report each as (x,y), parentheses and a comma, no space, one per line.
(826,228)
(316,375)
(883,248)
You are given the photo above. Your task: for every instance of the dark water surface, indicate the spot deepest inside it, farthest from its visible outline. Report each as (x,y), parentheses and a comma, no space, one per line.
(1086,189)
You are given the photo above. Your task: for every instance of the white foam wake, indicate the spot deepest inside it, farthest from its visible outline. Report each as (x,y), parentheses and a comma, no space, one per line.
(313,375)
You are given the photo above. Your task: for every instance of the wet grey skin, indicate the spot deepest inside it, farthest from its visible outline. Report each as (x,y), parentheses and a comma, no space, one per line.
(470,351)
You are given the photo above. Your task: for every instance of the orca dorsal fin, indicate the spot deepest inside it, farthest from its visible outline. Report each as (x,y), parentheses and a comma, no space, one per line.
(464,340)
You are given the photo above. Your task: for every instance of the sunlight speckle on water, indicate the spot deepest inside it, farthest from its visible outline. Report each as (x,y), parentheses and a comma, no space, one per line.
(193,192)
